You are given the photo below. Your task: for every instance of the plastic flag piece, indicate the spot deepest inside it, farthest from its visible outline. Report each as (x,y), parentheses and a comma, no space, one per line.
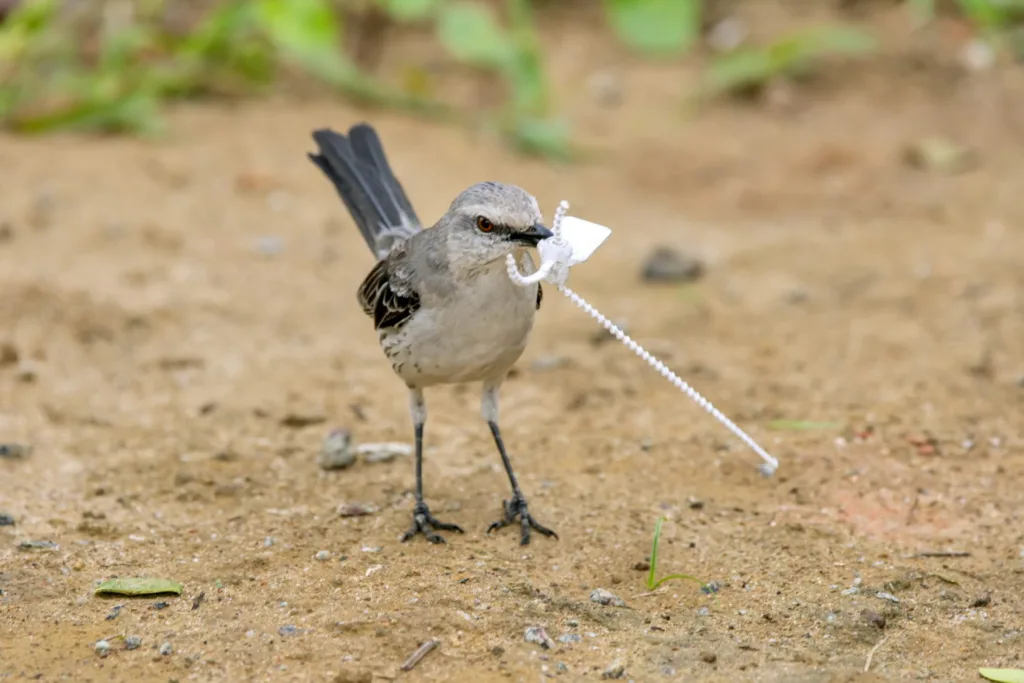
(583,236)
(574,241)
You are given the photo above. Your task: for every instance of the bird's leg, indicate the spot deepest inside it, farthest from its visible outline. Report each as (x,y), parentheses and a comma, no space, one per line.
(516,506)
(422,521)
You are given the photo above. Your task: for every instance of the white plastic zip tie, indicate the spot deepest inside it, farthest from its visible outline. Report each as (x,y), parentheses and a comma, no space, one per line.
(573,242)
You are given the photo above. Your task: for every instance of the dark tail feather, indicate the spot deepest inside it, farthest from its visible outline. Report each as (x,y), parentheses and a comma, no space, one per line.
(369,149)
(365,183)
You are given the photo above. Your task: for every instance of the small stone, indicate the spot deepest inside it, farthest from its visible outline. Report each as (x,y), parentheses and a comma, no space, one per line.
(356,509)
(269,541)
(270,245)
(882,595)
(114,611)
(383,452)
(8,354)
(14,451)
(102,648)
(694,503)
(166,650)
(570,638)
(708,657)
(614,671)
(604,597)
(27,372)
(666,264)
(6,519)
(37,545)
(537,635)
(160,605)
(941,155)
(703,611)
(983,601)
(337,453)
(289,630)
(132,643)
(545,363)
(642,566)
(872,617)
(323,555)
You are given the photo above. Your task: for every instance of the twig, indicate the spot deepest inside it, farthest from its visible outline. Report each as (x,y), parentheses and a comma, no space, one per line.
(421,652)
(942,553)
(867,664)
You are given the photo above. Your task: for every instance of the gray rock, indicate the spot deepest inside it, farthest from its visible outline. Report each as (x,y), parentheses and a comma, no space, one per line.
(166,650)
(615,670)
(132,643)
(102,648)
(337,453)
(603,597)
(383,452)
(537,635)
(666,264)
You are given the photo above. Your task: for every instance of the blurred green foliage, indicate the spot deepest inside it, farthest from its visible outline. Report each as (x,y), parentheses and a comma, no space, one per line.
(109,65)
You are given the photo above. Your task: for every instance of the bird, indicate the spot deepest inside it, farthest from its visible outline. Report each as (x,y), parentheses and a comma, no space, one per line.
(443,306)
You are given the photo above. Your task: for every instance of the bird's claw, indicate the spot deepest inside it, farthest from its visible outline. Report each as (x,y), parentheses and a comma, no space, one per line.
(516,507)
(425,523)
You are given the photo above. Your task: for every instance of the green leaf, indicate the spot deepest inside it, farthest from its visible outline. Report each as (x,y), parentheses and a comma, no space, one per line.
(655,26)
(306,30)
(472,35)
(1003,675)
(410,10)
(741,69)
(138,586)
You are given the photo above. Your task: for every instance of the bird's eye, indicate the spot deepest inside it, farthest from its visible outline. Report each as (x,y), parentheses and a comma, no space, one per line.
(483,224)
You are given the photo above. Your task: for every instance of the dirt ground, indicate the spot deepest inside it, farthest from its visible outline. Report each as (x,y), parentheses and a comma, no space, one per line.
(181,332)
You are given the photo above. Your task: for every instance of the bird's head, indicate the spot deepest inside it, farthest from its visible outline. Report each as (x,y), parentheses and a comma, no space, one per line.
(491,220)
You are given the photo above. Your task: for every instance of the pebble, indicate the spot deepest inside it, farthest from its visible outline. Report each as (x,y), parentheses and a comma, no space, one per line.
(873,617)
(132,643)
(37,545)
(882,595)
(114,611)
(356,509)
(708,657)
(570,638)
(545,363)
(269,541)
(642,565)
(323,555)
(270,245)
(102,648)
(666,264)
(6,519)
(615,670)
(604,597)
(337,453)
(166,649)
(14,451)
(288,630)
(537,634)
(383,452)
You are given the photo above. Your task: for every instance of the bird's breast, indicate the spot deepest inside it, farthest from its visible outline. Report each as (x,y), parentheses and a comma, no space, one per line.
(475,331)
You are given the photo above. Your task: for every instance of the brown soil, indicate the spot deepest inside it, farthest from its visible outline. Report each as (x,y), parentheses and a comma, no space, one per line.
(170,338)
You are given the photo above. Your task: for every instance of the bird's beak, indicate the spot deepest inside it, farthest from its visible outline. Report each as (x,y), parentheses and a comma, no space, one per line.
(536,233)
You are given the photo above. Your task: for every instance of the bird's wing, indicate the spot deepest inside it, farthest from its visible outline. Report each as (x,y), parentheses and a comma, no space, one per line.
(385,295)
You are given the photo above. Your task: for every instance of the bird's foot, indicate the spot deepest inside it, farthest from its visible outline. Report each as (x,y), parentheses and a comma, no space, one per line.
(425,523)
(516,507)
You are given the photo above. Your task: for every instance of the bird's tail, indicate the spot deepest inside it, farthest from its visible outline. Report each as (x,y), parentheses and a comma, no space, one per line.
(359,169)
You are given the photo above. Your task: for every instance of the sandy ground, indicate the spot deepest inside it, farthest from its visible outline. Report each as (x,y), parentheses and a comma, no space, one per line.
(181,332)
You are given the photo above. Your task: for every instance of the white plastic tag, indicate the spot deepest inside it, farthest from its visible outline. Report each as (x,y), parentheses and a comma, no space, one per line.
(584,237)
